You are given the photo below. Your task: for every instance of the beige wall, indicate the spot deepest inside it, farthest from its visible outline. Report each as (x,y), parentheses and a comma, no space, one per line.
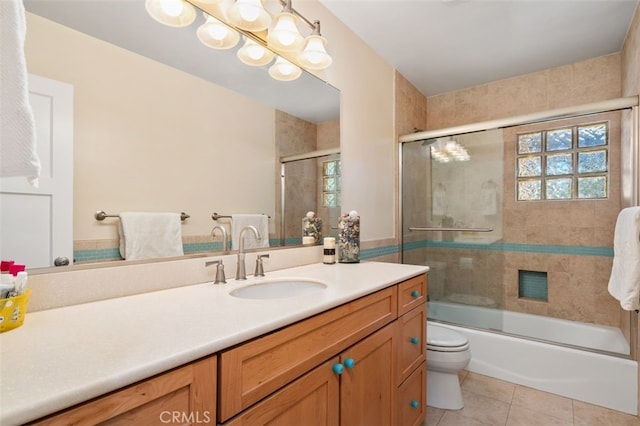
(368,149)
(582,82)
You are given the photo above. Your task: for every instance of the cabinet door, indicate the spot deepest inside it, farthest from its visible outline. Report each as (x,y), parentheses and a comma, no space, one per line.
(367,383)
(411,344)
(412,398)
(312,400)
(186,395)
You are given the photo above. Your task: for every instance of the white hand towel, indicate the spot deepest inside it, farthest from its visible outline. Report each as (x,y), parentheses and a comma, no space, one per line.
(150,235)
(439,202)
(18,155)
(624,283)
(239,221)
(489,201)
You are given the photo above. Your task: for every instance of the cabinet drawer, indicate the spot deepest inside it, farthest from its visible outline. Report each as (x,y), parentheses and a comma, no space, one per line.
(255,369)
(412,398)
(187,394)
(312,400)
(411,343)
(412,293)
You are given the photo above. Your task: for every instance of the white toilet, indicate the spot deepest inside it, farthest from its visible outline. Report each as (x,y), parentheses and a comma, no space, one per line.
(447,353)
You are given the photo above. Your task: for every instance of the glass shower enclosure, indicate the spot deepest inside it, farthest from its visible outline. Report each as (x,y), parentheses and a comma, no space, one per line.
(452,218)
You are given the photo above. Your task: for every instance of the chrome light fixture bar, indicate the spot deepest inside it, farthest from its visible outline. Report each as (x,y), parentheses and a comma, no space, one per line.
(264,37)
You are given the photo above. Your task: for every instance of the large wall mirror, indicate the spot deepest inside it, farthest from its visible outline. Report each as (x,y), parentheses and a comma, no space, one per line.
(164,123)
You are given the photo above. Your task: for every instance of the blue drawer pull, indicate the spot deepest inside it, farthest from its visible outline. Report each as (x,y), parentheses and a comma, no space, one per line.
(415,340)
(415,294)
(415,404)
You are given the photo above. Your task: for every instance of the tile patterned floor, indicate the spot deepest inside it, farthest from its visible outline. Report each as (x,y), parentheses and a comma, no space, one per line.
(492,402)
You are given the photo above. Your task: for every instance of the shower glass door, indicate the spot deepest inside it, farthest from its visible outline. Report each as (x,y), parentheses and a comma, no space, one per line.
(452,221)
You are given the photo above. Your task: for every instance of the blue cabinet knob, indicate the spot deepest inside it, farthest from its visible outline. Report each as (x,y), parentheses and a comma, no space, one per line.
(415,340)
(349,363)
(415,404)
(338,368)
(415,294)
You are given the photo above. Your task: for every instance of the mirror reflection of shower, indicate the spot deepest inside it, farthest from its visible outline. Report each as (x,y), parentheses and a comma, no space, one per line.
(310,182)
(466,185)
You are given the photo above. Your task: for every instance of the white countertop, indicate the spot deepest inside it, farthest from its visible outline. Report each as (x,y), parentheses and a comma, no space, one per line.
(61,357)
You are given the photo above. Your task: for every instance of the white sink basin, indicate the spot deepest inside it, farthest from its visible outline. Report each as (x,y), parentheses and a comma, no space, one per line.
(278,289)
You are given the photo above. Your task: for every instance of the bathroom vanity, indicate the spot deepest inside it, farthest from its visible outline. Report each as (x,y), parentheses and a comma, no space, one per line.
(350,353)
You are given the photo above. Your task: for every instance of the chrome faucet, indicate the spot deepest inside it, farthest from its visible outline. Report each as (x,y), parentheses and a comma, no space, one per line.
(241,271)
(225,237)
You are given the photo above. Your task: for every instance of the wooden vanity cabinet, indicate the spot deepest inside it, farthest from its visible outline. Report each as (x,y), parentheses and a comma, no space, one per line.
(185,395)
(253,370)
(361,363)
(381,377)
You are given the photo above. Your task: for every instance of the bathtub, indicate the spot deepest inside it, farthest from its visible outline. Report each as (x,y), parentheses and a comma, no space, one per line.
(607,380)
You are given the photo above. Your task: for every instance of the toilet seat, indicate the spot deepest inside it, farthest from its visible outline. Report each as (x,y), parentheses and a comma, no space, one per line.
(442,339)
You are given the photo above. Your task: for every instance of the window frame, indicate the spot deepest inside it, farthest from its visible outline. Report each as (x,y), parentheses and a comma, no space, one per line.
(574,151)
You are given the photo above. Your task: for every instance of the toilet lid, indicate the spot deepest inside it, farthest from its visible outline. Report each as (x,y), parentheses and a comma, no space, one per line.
(444,337)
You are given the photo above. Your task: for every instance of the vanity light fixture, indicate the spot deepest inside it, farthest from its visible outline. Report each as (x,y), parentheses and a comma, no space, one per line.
(174,13)
(285,36)
(284,70)
(251,53)
(217,35)
(225,20)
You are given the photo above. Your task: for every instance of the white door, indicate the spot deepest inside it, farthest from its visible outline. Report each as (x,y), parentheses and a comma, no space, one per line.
(36,224)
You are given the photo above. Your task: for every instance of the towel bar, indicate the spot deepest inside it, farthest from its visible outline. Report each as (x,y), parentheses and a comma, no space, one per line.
(216,216)
(101,215)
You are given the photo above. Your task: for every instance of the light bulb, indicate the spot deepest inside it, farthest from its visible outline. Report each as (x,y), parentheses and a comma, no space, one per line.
(217,35)
(171,7)
(285,35)
(249,15)
(251,53)
(174,13)
(284,70)
(314,56)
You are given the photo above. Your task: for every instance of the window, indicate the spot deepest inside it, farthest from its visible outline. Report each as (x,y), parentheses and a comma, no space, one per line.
(563,164)
(330,183)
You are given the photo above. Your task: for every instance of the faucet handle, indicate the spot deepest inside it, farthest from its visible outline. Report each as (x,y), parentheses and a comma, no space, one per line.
(220,277)
(259,272)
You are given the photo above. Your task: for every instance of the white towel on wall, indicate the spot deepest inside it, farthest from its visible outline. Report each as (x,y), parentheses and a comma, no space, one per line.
(439,203)
(150,235)
(239,221)
(18,155)
(624,283)
(489,201)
